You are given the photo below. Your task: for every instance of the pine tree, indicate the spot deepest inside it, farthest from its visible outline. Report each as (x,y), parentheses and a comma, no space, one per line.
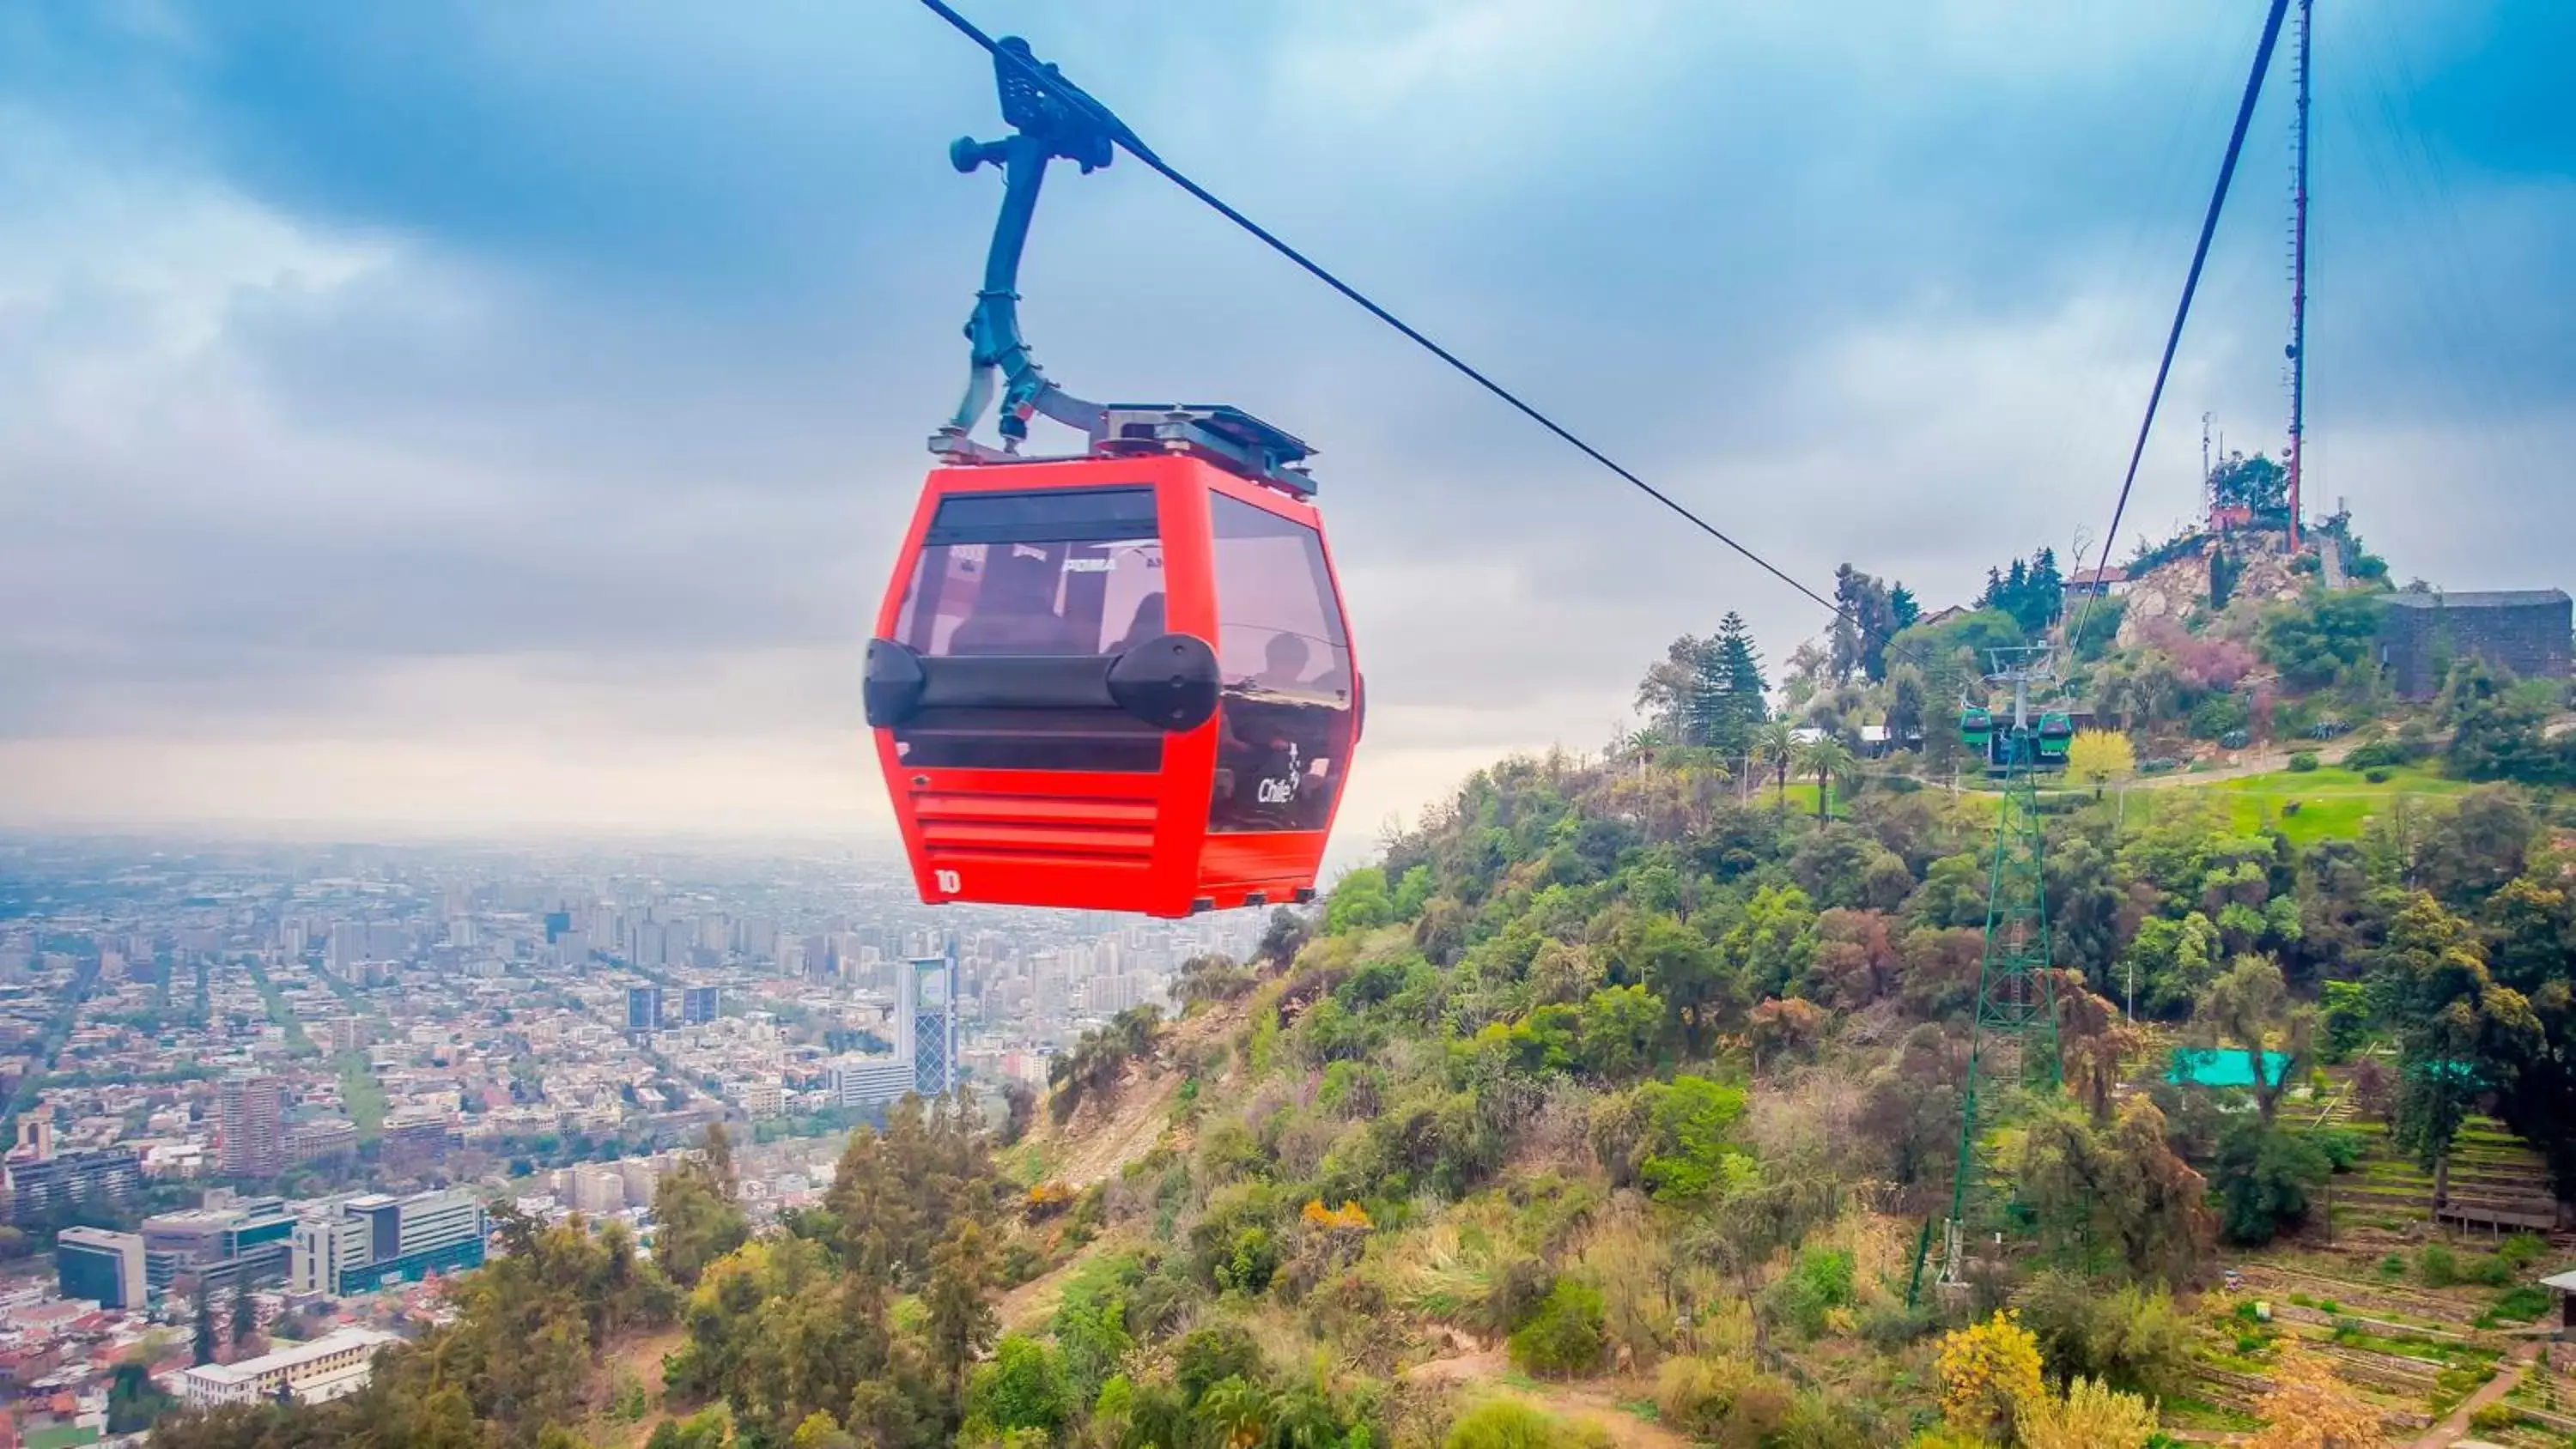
(1902,609)
(1732,689)
(960,1323)
(206,1341)
(1864,625)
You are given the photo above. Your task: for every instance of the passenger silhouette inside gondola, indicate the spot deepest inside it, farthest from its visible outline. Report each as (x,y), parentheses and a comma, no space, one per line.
(1283,663)
(1148,624)
(1014,611)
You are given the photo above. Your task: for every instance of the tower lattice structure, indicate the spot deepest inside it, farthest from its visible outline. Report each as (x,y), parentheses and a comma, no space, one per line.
(2016,984)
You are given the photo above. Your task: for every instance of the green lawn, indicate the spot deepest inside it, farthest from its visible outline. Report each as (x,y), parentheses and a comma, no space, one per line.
(61,1436)
(2332,803)
(363,1095)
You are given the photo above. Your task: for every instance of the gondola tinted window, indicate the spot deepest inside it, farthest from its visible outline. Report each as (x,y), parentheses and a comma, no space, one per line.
(1284,721)
(1034,575)
(1037,573)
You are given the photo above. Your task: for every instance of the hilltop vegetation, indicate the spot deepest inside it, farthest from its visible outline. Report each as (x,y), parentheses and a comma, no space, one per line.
(1616,1083)
(1613,1103)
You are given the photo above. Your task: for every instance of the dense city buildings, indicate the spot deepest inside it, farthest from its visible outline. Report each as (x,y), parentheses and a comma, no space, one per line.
(298,1083)
(102,1266)
(250,1126)
(360,1243)
(227,1246)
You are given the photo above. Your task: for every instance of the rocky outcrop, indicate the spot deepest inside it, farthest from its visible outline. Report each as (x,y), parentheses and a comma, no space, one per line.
(2177,590)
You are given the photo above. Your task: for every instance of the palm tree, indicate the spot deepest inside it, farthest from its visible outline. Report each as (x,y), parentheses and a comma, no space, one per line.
(1828,759)
(1775,745)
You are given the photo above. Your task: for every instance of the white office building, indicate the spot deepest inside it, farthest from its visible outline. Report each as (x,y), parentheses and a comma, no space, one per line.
(337,1363)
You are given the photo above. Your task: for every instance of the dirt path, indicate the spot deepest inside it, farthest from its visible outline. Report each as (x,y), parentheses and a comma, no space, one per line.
(2455,1428)
(641,1357)
(2250,762)
(1028,1306)
(1592,1402)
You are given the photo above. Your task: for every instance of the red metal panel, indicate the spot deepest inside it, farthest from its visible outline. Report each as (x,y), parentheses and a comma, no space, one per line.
(1277,864)
(1066,838)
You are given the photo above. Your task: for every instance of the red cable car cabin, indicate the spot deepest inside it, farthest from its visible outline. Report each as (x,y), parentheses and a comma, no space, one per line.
(1113,682)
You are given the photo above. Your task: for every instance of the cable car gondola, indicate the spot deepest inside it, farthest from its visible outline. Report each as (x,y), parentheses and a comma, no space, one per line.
(1119,680)
(1976,727)
(2055,731)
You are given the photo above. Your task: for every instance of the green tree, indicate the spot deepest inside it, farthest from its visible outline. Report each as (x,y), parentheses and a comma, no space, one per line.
(2099,757)
(1863,624)
(133,1400)
(2314,640)
(1690,1153)
(2256,484)
(1707,693)
(1617,1032)
(1359,902)
(2241,1006)
(960,1319)
(1775,745)
(1828,759)
(206,1343)
(1023,1386)
(1771,943)
(245,1316)
(2458,1032)
(2497,729)
(2264,1174)
(697,1212)
(1564,1337)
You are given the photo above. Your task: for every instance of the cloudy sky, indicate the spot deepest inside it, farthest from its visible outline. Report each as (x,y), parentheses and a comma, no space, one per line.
(475,414)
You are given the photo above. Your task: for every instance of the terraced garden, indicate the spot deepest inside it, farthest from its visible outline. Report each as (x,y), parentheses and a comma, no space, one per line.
(2417,1314)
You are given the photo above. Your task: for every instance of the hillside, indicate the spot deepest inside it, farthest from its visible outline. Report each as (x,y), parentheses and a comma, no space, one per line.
(1614,1107)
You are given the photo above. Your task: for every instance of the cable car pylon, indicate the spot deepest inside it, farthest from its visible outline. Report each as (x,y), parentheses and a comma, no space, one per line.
(2016,982)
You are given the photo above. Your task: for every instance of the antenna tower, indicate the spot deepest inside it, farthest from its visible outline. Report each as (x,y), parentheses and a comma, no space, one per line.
(2299,278)
(2016,984)
(2208,495)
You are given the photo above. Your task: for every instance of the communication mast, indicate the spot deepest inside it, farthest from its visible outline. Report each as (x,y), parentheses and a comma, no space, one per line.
(2016,985)
(2299,278)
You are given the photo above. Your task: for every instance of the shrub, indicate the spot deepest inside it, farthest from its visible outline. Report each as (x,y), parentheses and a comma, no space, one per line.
(2437,1267)
(1513,1295)
(2130,1339)
(2494,1419)
(1022,1387)
(2091,1415)
(1816,1285)
(2393,1267)
(1722,1401)
(1988,1370)
(2341,1145)
(2522,1303)
(1564,1337)
(1509,1424)
(1693,1394)
(1208,1356)
(2380,755)
(2303,762)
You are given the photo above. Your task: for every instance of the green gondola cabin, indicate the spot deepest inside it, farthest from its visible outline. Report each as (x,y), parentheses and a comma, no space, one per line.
(2055,731)
(1976,728)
